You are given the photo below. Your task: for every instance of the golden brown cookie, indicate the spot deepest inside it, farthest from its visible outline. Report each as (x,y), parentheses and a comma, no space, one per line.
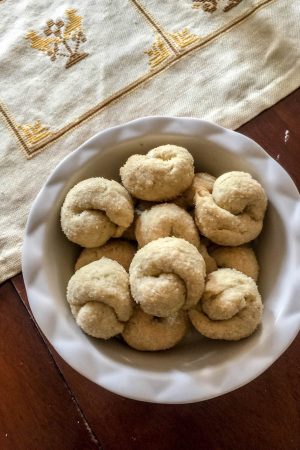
(230,307)
(95,210)
(166,275)
(149,333)
(162,174)
(116,249)
(166,220)
(201,180)
(233,214)
(99,297)
(240,258)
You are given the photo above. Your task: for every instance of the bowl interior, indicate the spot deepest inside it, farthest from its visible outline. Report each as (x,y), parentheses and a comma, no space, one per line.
(194,352)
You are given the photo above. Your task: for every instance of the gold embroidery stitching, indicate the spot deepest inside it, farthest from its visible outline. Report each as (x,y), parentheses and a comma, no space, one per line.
(153,22)
(184,38)
(208,6)
(158,53)
(35,132)
(32,151)
(62,32)
(212,5)
(231,4)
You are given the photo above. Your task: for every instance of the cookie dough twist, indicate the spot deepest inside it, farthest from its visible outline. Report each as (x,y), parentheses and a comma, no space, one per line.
(95,210)
(230,308)
(149,333)
(240,258)
(166,220)
(233,214)
(166,275)
(162,174)
(116,249)
(200,180)
(99,297)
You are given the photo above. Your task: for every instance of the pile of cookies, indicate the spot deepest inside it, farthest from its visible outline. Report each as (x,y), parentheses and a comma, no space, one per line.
(163,250)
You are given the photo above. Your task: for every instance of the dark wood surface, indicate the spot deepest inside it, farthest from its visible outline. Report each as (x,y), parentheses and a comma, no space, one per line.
(44,404)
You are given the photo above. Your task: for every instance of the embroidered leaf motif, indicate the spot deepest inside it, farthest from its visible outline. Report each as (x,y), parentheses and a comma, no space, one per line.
(209,6)
(35,132)
(61,34)
(40,43)
(212,5)
(184,38)
(73,24)
(158,53)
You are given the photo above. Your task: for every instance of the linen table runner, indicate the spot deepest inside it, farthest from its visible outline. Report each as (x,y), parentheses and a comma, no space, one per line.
(70,69)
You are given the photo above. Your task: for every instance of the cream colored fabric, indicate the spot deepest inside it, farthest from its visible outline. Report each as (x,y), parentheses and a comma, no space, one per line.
(222,66)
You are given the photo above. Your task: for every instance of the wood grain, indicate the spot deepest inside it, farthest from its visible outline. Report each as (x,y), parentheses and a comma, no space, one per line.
(37,410)
(277,130)
(265,414)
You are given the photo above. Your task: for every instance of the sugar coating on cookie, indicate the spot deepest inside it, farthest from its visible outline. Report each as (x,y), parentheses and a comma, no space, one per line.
(149,295)
(210,262)
(166,275)
(118,250)
(148,333)
(233,213)
(230,308)
(200,180)
(162,174)
(100,299)
(166,220)
(241,258)
(95,210)
(99,320)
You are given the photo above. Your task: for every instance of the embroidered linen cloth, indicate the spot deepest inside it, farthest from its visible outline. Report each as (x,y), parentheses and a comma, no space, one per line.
(71,68)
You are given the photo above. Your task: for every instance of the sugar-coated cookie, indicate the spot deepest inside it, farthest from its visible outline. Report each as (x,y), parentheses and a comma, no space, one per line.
(162,174)
(95,210)
(118,250)
(166,275)
(241,258)
(233,213)
(201,180)
(166,220)
(149,333)
(230,308)
(99,297)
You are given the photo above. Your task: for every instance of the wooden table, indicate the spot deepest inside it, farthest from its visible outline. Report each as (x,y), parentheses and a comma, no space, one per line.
(44,404)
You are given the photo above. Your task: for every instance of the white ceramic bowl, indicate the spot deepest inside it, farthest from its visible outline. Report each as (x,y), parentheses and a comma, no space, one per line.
(198,368)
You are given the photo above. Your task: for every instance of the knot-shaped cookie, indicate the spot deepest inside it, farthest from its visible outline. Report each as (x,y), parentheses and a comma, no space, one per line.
(230,307)
(166,275)
(233,213)
(240,258)
(100,298)
(166,220)
(201,180)
(95,210)
(149,333)
(162,174)
(116,249)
